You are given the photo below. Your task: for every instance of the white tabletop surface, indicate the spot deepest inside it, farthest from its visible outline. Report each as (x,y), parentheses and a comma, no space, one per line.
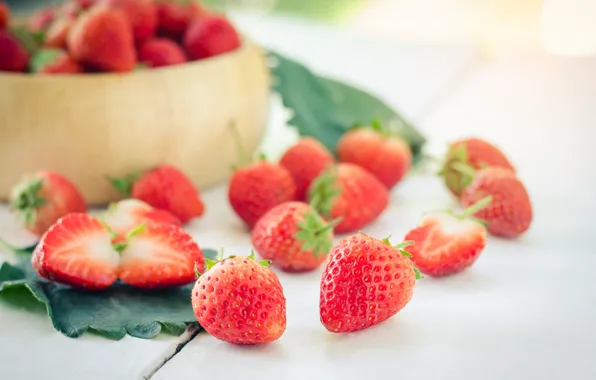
(525,310)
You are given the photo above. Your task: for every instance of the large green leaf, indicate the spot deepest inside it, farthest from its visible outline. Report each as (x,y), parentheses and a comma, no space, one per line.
(115,312)
(325,108)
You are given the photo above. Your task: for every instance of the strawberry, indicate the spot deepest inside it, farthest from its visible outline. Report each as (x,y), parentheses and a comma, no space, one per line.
(347,191)
(174,16)
(305,161)
(240,301)
(54,61)
(158,52)
(165,188)
(465,157)
(13,56)
(141,14)
(293,236)
(57,33)
(159,256)
(510,212)
(77,251)
(41,199)
(124,216)
(210,35)
(446,243)
(102,38)
(41,19)
(377,149)
(365,281)
(4,15)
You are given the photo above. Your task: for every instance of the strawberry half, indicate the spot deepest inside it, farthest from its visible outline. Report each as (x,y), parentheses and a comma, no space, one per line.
(446,243)
(158,256)
(77,251)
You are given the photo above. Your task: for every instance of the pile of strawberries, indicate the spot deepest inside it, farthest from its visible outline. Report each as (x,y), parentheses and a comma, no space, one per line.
(114,36)
(293,208)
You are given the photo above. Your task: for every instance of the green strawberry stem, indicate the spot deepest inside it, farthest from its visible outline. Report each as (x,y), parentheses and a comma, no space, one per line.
(331,225)
(473,209)
(124,185)
(463,168)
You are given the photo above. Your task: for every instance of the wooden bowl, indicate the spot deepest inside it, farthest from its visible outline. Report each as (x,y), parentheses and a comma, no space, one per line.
(90,126)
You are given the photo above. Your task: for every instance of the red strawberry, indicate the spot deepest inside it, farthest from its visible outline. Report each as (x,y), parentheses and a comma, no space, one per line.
(445,243)
(305,161)
(77,251)
(142,15)
(54,61)
(240,301)
(347,191)
(13,56)
(510,212)
(159,256)
(57,33)
(465,157)
(160,52)
(174,17)
(378,150)
(4,15)
(365,281)
(41,199)
(210,35)
(165,188)
(41,19)
(102,38)
(126,215)
(293,236)
(258,187)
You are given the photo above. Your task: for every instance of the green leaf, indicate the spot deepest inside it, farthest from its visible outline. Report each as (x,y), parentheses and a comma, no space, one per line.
(325,108)
(112,313)
(44,57)
(30,41)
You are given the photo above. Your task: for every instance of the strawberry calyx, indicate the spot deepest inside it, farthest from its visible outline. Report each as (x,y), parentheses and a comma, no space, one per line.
(457,168)
(324,191)
(316,234)
(220,258)
(124,184)
(121,245)
(26,199)
(44,57)
(400,248)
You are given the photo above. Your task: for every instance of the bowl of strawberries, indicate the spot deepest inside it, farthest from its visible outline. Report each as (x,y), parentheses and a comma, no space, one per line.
(118,86)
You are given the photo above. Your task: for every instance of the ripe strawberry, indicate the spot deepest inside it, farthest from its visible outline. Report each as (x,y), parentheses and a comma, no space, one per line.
(445,243)
(41,19)
(158,256)
(465,157)
(305,161)
(174,16)
(365,281)
(210,35)
(377,149)
(57,33)
(293,236)
(77,251)
(159,52)
(347,191)
(102,38)
(54,61)
(41,199)
(510,212)
(165,188)
(240,301)
(4,15)
(13,56)
(124,216)
(142,15)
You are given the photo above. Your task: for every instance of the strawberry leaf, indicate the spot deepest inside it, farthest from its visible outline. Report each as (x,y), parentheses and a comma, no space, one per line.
(113,313)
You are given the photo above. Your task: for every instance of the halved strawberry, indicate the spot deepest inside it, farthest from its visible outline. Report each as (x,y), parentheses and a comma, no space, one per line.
(159,256)
(77,251)
(446,243)
(124,216)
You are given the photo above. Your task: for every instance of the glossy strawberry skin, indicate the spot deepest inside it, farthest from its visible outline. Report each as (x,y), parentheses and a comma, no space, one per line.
(510,212)
(445,245)
(305,161)
(4,15)
(159,52)
(13,56)
(77,251)
(210,35)
(387,158)
(142,15)
(160,256)
(258,187)
(274,238)
(365,282)
(174,17)
(241,302)
(167,188)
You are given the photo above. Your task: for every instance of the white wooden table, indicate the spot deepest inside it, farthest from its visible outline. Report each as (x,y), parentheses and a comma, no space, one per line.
(524,311)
